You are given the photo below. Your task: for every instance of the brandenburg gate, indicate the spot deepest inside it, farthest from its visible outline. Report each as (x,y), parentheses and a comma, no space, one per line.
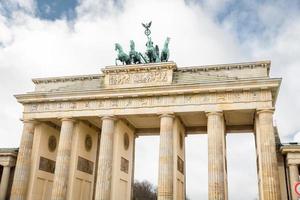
(78,139)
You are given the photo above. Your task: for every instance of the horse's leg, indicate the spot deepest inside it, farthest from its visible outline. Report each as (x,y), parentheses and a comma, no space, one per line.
(116,61)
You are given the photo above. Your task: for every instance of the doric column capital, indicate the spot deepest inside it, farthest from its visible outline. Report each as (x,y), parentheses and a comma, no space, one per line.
(29,121)
(30,124)
(71,119)
(292,165)
(110,117)
(167,115)
(265,110)
(219,113)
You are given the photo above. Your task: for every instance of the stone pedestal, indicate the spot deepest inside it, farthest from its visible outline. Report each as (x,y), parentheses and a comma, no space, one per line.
(165,176)
(294,177)
(217,175)
(266,149)
(22,170)
(4,182)
(61,175)
(104,179)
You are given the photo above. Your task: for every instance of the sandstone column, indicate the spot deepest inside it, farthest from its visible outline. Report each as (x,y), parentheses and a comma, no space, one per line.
(217,175)
(165,170)
(103,184)
(294,177)
(266,150)
(22,170)
(4,182)
(61,174)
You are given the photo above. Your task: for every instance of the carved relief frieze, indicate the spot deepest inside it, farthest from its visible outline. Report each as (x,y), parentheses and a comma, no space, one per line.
(153,101)
(137,78)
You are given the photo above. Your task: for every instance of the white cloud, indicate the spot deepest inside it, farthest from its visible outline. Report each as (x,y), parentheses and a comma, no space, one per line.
(40,48)
(284,53)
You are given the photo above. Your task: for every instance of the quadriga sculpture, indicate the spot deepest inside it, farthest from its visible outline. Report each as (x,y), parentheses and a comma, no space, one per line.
(151,55)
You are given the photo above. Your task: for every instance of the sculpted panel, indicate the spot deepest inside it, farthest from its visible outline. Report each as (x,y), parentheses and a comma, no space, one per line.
(180,165)
(138,78)
(124,165)
(47,165)
(85,165)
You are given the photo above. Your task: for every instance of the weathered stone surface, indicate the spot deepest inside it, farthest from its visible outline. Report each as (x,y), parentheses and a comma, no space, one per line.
(59,191)
(104,179)
(217,175)
(4,182)
(165,174)
(22,170)
(294,178)
(267,160)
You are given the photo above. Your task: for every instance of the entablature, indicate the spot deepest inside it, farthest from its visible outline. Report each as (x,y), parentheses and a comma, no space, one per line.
(271,85)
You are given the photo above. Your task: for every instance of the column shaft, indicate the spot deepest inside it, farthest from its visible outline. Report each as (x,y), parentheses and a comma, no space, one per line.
(217,175)
(268,168)
(104,179)
(61,175)
(165,174)
(294,177)
(4,182)
(22,170)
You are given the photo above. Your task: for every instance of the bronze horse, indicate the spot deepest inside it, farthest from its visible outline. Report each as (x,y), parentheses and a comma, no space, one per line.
(122,56)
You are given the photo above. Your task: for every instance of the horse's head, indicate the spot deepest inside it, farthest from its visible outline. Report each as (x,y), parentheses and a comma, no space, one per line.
(167,42)
(118,47)
(132,45)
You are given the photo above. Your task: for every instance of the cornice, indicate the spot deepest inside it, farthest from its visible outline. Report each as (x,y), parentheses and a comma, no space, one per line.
(290,149)
(66,78)
(13,152)
(211,87)
(229,66)
(139,67)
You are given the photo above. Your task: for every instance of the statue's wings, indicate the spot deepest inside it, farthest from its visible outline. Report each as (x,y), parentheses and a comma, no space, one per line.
(147,25)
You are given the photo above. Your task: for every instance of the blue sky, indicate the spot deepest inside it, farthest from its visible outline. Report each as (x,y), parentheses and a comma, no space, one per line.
(247,22)
(56,9)
(243,15)
(42,38)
